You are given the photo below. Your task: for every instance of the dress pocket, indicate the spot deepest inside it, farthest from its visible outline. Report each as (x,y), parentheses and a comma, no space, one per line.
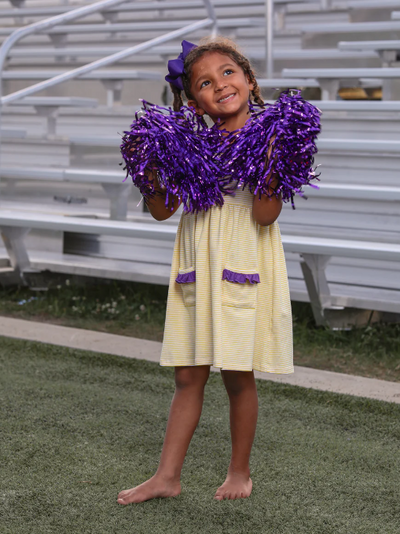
(187,280)
(239,288)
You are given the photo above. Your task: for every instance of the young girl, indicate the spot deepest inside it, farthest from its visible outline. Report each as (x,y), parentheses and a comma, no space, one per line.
(228,302)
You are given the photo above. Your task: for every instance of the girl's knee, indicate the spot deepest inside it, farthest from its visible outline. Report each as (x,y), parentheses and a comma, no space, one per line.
(196,376)
(236,382)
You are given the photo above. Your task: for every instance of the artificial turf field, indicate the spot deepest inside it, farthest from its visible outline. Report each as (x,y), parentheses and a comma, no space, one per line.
(78,427)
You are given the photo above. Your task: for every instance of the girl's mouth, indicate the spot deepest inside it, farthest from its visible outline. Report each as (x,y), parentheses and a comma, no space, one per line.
(226,98)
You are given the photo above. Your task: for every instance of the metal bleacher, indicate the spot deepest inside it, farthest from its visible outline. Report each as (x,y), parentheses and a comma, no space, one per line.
(64,205)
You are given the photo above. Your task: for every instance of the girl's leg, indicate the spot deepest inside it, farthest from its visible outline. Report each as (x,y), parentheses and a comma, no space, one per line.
(242,392)
(183,418)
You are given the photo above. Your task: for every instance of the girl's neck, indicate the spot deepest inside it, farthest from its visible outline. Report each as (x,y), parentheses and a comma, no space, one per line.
(231,124)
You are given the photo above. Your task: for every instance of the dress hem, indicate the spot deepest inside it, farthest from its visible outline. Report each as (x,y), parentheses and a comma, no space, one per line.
(258,369)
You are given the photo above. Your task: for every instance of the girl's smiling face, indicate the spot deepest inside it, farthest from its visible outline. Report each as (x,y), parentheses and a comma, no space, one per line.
(221,89)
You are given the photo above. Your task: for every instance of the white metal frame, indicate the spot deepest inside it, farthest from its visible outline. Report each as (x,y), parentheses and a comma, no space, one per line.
(46,24)
(269,37)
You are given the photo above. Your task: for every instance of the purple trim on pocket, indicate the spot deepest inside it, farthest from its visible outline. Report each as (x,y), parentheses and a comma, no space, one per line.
(186,278)
(240,278)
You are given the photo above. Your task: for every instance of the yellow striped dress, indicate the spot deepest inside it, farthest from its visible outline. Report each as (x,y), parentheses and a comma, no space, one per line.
(228,301)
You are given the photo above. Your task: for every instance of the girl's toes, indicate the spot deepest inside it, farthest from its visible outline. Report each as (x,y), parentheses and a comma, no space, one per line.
(121,499)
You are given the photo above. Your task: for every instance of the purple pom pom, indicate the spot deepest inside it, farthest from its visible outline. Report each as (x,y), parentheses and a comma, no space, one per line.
(290,125)
(179,148)
(200,165)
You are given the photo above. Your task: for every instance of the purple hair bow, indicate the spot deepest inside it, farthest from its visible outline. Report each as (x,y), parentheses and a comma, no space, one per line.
(176,66)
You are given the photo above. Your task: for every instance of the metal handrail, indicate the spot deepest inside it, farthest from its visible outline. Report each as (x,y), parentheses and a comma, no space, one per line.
(41,26)
(269,37)
(105,61)
(46,24)
(211,13)
(269,34)
(108,60)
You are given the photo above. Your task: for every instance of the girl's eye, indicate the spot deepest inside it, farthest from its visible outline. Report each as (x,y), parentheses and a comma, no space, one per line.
(205,83)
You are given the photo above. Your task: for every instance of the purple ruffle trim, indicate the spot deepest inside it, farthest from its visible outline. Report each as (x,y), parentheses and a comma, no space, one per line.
(240,278)
(186,278)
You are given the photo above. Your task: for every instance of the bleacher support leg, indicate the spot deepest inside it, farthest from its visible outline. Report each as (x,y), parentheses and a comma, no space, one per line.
(109,16)
(51,113)
(388,57)
(114,91)
(387,90)
(313,268)
(14,242)
(329,88)
(59,40)
(118,195)
(279,17)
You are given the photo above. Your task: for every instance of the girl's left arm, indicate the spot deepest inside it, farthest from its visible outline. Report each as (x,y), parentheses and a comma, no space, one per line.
(267,208)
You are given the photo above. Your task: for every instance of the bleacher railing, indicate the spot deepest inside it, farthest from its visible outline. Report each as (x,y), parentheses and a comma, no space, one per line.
(43,25)
(269,37)
(46,24)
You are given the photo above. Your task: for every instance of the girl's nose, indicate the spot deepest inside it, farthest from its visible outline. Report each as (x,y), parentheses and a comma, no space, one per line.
(221,84)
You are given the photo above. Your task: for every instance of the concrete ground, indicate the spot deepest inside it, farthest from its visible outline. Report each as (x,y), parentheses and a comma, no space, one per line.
(142,349)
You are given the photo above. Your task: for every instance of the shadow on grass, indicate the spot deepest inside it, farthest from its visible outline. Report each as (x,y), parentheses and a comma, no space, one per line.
(78,427)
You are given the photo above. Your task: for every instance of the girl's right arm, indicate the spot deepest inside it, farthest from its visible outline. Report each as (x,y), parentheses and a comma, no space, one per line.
(156,204)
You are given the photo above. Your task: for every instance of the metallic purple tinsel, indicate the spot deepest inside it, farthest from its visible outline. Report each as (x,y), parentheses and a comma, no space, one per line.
(200,164)
(291,125)
(179,148)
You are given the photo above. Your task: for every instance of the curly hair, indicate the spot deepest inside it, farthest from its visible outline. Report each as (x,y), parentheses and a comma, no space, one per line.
(224,46)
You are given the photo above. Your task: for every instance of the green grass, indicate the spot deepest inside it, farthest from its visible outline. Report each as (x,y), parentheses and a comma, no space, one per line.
(372,351)
(138,310)
(77,427)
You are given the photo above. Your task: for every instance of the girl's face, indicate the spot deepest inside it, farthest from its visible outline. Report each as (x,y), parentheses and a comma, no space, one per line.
(221,89)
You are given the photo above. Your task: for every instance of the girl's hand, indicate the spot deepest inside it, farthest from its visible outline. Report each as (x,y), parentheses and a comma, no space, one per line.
(267,208)
(156,204)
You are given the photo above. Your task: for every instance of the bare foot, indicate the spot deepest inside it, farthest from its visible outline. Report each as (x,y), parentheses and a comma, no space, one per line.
(153,488)
(236,486)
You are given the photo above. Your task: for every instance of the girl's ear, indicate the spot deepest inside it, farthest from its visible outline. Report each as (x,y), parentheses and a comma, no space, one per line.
(193,104)
(251,84)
